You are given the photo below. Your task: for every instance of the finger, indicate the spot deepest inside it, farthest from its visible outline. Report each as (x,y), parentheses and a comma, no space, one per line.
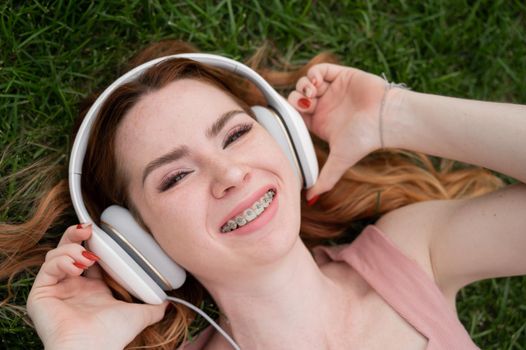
(305,106)
(55,270)
(74,251)
(305,87)
(154,313)
(144,315)
(317,80)
(75,234)
(321,87)
(325,72)
(332,171)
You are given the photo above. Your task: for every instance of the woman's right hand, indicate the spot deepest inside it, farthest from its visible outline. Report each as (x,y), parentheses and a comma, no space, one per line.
(71,311)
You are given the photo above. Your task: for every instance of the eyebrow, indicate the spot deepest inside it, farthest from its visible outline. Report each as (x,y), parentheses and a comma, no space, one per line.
(183,151)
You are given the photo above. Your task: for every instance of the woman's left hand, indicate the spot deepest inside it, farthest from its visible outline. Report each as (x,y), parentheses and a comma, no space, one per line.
(341,105)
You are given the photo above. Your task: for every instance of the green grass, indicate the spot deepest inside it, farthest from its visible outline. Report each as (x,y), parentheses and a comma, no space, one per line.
(52,54)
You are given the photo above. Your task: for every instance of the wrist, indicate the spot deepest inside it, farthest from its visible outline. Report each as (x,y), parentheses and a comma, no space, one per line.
(397,117)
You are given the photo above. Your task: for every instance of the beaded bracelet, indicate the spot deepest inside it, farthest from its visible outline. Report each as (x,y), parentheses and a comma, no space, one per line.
(388,86)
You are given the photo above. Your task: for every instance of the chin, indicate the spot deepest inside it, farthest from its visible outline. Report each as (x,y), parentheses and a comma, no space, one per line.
(275,246)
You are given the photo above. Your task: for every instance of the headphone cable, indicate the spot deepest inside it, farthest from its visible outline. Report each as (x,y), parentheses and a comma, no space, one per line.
(208,318)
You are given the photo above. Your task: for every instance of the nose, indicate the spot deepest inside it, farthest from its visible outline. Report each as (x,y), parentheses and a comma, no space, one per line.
(227,175)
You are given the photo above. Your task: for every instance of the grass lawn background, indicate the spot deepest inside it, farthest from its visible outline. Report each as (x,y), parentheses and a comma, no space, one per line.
(52,54)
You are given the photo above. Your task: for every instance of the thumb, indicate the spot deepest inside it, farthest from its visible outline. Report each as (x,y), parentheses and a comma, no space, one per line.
(151,313)
(332,171)
(135,317)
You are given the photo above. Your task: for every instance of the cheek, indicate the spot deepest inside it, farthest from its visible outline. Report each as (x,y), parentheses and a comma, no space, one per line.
(272,153)
(178,226)
(276,159)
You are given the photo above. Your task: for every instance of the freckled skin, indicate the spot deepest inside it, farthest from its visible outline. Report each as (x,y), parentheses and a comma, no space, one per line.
(186,219)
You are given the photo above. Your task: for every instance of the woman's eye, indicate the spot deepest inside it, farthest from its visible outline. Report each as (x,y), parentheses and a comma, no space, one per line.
(173,180)
(237,133)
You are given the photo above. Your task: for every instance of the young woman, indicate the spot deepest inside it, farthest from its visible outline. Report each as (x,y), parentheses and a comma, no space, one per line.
(392,287)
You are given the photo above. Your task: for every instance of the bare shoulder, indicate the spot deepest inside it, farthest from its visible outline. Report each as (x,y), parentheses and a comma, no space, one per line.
(411,228)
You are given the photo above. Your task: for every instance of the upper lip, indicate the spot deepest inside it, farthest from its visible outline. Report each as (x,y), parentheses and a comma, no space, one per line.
(247,203)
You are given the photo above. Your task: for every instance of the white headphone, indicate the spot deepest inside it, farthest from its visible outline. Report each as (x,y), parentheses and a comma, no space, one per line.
(128,253)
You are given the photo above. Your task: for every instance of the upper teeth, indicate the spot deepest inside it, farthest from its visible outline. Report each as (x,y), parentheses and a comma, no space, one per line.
(249,214)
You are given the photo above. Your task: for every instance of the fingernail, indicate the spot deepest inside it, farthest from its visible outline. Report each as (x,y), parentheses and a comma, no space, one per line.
(314,81)
(80,266)
(89,255)
(304,103)
(313,200)
(82,226)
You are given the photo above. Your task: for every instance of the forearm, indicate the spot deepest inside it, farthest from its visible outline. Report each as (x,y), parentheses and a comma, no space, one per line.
(492,135)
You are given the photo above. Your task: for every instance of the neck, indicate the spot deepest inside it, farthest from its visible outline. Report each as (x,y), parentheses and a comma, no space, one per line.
(287,303)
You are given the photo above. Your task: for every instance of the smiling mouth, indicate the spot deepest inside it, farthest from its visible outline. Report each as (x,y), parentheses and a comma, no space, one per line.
(249,214)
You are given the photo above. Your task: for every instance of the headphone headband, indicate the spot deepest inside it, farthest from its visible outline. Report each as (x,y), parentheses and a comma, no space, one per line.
(276,101)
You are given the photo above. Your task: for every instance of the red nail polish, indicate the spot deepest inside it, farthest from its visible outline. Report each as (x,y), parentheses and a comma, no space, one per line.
(80,266)
(313,200)
(79,226)
(304,103)
(89,255)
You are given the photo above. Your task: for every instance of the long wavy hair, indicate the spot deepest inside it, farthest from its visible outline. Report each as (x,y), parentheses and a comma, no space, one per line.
(382,181)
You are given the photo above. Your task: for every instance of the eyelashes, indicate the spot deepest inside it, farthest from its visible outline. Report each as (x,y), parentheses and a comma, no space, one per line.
(172,180)
(237,133)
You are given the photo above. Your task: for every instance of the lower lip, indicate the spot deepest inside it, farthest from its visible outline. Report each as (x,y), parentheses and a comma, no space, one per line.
(258,222)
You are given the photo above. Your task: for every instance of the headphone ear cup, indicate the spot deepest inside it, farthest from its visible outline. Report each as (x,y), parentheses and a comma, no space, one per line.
(120,225)
(277,128)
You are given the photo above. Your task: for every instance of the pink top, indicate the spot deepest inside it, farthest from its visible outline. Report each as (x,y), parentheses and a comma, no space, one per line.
(401,282)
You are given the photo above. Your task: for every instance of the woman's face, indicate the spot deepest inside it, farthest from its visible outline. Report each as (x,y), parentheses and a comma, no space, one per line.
(195,160)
